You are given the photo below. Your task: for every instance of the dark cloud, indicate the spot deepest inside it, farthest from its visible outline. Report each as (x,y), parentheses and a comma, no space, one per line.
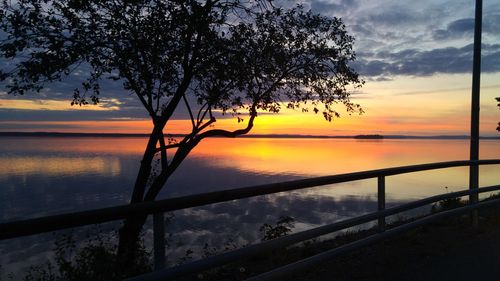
(455,29)
(462,25)
(69,115)
(465,28)
(416,62)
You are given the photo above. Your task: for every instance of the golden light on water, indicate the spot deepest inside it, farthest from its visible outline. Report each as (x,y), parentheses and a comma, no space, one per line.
(59,166)
(302,157)
(314,157)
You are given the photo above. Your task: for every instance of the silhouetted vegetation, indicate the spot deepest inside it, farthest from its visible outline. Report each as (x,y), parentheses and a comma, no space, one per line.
(206,58)
(448,204)
(498,100)
(283,227)
(96,260)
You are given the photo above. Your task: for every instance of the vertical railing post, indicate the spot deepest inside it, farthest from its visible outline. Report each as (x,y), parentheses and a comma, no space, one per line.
(381,201)
(159,240)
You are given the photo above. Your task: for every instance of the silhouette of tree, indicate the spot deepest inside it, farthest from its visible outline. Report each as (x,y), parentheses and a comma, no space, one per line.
(498,100)
(206,57)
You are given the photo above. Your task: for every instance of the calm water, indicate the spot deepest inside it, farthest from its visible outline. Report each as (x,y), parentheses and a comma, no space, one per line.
(51,175)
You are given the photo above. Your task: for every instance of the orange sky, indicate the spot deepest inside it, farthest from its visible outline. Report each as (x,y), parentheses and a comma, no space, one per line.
(436,105)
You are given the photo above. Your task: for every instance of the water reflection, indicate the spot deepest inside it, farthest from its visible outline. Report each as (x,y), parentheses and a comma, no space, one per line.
(59,166)
(41,176)
(75,146)
(314,157)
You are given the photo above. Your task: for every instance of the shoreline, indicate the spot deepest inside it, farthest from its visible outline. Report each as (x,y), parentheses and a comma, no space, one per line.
(274,136)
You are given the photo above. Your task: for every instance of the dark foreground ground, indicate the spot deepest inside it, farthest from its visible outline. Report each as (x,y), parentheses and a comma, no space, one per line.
(448,250)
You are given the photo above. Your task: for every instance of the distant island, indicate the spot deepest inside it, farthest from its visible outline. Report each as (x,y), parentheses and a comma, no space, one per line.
(369,137)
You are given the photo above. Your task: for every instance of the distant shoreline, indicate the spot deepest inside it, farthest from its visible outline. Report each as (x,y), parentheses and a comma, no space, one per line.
(276,136)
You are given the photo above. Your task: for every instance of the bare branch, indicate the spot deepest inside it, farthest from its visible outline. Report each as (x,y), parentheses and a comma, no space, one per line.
(164,160)
(228,134)
(199,116)
(189,110)
(165,147)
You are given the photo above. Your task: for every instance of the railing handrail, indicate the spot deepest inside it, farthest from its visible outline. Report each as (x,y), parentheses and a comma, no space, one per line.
(294,238)
(57,222)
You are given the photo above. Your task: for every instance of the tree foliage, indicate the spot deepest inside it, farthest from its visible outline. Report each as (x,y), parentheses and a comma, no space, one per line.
(207,57)
(94,259)
(283,227)
(498,100)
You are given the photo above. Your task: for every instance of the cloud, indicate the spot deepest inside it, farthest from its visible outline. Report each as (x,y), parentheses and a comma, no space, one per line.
(492,23)
(440,91)
(465,28)
(69,115)
(37,104)
(333,6)
(458,28)
(416,62)
(419,38)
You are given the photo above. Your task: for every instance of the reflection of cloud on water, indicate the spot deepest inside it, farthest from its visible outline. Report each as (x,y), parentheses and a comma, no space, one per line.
(240,220)
(196,176)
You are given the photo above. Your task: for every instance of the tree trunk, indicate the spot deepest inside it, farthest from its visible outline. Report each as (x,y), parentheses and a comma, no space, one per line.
(129,241)
(129,233)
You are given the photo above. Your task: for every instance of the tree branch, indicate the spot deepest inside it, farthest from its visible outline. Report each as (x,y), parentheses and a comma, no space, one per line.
(186,147)
(189,110)
(226,133)
(164,160)
(165,147)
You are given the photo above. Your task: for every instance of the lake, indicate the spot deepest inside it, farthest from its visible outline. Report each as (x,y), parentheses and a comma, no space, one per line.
(52,175)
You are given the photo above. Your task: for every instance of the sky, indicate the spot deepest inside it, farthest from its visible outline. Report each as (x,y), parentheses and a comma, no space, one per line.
(415,56)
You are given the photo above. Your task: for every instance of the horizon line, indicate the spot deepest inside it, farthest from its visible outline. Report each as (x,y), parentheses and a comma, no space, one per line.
(291,136)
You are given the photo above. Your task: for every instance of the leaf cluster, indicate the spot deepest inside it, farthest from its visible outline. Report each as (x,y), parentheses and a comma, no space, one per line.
(282,227)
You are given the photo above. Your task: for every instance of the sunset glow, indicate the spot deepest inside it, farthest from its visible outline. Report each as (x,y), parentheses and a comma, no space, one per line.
(316,157)
(407,106)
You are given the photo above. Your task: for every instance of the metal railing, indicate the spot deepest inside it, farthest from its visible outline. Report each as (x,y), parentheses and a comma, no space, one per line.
(157,208)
